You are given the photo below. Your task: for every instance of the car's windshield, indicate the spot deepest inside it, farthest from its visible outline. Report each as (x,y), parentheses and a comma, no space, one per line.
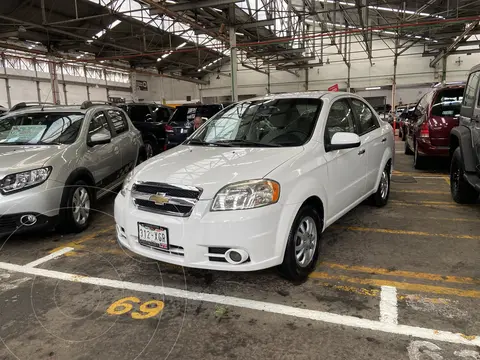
(448,102)
(186,114)
(282,122)
(40,128)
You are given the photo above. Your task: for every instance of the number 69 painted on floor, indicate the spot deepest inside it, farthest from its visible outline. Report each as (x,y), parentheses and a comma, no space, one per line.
(147,309)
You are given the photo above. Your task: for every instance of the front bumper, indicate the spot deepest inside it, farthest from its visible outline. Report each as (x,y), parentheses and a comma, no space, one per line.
(43,201)
(261,232)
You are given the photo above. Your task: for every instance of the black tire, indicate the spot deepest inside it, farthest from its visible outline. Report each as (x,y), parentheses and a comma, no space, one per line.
(462,191)
(400,135)
(404,135)
(419,162)
(69,222)
(380,198)
(290,269)
(149,147)
(408,151)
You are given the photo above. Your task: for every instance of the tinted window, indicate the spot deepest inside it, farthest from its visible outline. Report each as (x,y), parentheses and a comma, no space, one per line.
(282,122)
(188,113)
(118,120)
(99,124)
(471,90)
(139,113)
(448,102)
(368,122)
(40,128)
(340,119)
(162,114)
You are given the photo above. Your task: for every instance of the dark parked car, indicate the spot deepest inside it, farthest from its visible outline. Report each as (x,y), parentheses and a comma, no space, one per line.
(151,119)
(465,144)
(181,121)
(3,110)
(428,130)
(403,118)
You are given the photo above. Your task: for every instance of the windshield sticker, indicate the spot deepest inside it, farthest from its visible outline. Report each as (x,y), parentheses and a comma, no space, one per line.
(26,133)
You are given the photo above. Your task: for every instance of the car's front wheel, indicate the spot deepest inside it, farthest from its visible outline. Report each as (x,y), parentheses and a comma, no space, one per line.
(407,149)
(419,161)
(76,211)
(303,245)
(149,149)
(462,191)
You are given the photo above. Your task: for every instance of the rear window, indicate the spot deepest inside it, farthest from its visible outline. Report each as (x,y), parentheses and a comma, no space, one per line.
(187,113)
(448,102)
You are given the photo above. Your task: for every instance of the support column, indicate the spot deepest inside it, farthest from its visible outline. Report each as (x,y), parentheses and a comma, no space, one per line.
(63,84)
(233,53)
(7,82)
(39,94)
(52,67)
(106,84)
(444,69)
(86,82)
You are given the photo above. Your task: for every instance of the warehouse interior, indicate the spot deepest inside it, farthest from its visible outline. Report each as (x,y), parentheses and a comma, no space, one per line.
(182,51)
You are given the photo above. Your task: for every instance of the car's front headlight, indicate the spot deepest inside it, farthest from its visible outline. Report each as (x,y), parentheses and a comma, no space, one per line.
(246,195)
(126,183)
(24,180)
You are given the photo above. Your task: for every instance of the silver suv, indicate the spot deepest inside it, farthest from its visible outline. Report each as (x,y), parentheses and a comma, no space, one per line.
(56,161)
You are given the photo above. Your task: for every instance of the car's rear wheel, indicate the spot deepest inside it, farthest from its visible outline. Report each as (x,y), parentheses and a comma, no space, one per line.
(462,191)
(380,198)
(76,212)
(303,245)
(419,161)
(404,134)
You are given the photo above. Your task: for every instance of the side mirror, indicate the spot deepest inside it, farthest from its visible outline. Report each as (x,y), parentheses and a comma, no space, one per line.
(99,139)
(343,140)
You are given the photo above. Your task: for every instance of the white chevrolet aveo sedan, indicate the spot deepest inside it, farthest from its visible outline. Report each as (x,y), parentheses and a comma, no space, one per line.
(258,183)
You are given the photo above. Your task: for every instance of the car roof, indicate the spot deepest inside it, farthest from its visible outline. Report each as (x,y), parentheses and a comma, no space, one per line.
(58,109)
(197,105)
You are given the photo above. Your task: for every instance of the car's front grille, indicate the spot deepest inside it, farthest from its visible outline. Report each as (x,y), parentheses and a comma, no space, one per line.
(175,200)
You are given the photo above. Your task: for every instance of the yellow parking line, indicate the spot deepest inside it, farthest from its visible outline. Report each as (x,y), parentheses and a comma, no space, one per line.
(448,181)
(422,192)
(418,174)
(443,204)
(401,273)
(405,232)
(76,244)
(399,285)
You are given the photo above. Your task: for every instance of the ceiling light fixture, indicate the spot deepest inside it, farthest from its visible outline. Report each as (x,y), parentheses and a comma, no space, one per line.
(373,88)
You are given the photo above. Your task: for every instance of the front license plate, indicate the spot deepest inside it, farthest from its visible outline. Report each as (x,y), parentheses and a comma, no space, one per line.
(153,236)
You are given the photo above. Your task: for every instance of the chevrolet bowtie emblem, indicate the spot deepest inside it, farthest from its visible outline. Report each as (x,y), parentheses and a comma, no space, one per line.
(159,199)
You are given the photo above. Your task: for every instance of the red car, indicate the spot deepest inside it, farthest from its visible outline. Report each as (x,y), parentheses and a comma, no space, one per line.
(428,129)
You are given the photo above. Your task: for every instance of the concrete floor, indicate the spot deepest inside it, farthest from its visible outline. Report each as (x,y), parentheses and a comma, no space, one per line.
(422,244)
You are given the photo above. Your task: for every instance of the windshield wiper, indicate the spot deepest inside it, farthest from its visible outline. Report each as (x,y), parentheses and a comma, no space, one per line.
(204,143)
(245,142)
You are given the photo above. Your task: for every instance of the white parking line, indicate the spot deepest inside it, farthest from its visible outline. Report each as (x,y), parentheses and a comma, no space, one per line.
(331,318)
(388,305)
(50,257)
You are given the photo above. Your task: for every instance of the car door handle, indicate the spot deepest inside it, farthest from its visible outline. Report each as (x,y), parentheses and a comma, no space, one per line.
(384,139)
(361,152)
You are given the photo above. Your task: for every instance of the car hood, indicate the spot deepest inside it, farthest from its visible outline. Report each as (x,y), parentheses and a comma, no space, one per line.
(18,158)
(211,168)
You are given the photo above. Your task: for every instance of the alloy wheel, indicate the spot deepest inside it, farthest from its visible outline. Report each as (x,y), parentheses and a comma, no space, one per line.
(384,184)
(81,205)
(148,150)
(306,239)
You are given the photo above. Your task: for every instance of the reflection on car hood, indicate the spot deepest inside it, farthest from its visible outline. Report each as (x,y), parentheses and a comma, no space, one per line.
(18,158)
(211,168)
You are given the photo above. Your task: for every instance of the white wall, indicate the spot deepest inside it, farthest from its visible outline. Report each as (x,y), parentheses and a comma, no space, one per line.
(170,90)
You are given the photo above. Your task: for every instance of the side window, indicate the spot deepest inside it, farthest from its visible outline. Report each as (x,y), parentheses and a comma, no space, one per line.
(139,113)
(422,105)
(471,90)
(118,119)
(367,120)
(99,124)
(340,119)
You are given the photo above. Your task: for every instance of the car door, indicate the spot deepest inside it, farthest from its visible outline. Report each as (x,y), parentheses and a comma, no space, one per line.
(347,168)
(124,139)
(104,161)
(372,139)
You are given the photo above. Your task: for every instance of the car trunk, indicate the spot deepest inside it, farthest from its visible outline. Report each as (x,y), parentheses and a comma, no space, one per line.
(444,114)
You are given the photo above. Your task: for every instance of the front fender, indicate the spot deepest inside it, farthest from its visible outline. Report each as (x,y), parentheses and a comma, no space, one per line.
(387,155)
